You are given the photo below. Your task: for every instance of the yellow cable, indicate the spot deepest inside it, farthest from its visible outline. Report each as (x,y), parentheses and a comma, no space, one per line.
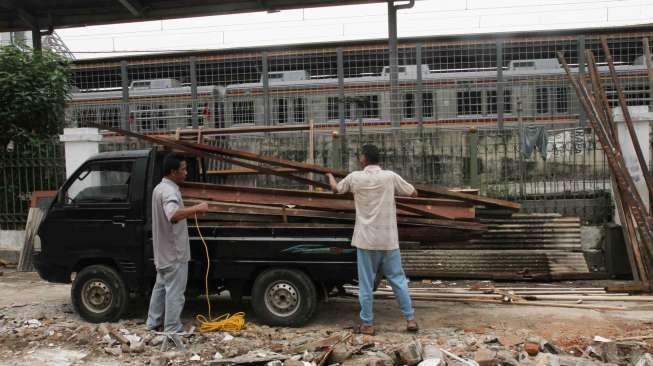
(225,322)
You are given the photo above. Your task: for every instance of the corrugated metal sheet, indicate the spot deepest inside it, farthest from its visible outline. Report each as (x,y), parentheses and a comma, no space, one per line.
(524,246)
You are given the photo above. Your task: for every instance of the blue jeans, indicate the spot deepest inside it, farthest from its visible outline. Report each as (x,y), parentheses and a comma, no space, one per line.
(167,299)
(389,261)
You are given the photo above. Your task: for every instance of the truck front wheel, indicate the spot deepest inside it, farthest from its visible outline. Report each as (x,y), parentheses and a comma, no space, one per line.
(99,294)
(284,297)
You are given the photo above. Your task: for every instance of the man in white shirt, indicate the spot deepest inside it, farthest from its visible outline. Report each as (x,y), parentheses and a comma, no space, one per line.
(375,233)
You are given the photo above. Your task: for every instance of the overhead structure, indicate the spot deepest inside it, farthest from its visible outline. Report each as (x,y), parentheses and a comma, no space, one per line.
(45,14)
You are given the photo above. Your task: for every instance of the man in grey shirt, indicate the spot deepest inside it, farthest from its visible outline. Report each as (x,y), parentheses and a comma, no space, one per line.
(171,247)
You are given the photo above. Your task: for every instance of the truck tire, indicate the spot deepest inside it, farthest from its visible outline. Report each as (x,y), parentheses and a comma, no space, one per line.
(99,294)
(284,297)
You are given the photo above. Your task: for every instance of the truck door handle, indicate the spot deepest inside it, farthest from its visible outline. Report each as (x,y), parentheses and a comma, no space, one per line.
(119,220)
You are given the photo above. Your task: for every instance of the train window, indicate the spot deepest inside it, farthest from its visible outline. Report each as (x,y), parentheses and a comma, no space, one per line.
(243,111)
(469,102)
(88,115)
(110,117)
(409,105)
(332,108)
(281,110)
(562,105)
(507,101)
(299,115)
(427,104)
(144,117)
(491,100)
(161,118)
(370,106)
(542,100)
(636,94)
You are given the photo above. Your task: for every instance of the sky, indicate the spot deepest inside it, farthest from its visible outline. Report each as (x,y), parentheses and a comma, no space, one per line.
(353,22)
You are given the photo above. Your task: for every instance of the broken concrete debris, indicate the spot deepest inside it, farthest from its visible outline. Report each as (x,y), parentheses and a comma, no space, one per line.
(128,342)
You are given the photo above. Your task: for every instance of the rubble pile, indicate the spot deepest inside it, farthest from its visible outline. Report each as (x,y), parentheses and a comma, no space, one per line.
(128,342)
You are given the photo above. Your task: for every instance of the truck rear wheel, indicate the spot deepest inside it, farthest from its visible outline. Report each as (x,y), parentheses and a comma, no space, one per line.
(99,294)
(284,297)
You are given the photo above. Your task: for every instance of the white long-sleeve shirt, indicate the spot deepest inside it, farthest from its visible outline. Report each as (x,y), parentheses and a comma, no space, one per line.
(374,192)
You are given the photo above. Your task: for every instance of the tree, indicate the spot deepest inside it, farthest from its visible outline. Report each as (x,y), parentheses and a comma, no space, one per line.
(34,87)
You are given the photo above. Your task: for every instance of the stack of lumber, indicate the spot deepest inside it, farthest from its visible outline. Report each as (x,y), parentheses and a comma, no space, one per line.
(595,298)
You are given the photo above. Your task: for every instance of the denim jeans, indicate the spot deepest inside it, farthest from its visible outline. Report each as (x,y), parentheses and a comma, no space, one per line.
(389,261)
(167,299)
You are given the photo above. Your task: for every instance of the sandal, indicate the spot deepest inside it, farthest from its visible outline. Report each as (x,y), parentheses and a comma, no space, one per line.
(364,329)
(411,326)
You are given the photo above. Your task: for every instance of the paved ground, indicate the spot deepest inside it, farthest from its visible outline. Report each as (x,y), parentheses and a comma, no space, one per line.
(60,337)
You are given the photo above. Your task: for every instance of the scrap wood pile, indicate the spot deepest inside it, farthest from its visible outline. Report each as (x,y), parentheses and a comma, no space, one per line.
(596,298)
(442,235)
(636,222)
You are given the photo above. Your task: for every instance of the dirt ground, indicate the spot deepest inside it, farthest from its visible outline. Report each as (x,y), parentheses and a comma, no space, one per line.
(39,327)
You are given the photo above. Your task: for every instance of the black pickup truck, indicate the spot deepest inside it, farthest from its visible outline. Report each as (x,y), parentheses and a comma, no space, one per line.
(97,235)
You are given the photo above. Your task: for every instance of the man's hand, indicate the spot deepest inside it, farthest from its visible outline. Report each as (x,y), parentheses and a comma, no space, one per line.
(414,194)
(332,182)
(201,208)
(188,212)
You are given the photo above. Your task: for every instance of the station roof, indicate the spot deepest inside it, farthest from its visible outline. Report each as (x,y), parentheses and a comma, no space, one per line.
(22,15)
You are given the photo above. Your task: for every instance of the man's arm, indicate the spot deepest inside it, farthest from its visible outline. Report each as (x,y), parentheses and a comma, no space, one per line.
(332,182)
(404,188)
(186,212)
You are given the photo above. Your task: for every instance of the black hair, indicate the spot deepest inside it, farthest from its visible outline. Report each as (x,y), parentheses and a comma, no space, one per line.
(171,163)
(371,153)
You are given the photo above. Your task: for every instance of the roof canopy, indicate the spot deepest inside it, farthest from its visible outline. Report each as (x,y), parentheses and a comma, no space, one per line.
(25,14)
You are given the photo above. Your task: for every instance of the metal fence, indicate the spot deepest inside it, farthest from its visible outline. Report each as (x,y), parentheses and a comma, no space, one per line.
(26,169)
(548,169)
(441,81)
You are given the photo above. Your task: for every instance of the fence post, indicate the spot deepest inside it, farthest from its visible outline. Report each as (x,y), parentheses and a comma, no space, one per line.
(341,148)
(193,92)
(500,92)
(472,148)
(125,95)
(80,144)
(419,90)
(266,91)
(581,74)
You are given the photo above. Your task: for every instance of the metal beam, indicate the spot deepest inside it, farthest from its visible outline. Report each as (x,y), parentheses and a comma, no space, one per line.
(134,7)
(321,201)
(395,111)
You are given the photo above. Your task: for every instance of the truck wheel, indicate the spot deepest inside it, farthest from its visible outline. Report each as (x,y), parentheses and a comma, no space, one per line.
(98,294)
(284,297)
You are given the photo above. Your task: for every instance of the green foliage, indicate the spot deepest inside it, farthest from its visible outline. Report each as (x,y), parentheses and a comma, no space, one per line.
(34,87)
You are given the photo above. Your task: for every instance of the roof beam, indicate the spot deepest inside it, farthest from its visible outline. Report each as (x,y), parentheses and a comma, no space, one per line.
(24,16)
(134,7)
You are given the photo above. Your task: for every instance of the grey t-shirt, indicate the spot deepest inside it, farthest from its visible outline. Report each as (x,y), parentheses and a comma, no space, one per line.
(170,240)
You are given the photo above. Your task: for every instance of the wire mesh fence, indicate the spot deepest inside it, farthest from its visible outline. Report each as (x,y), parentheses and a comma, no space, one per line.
(474,82)
(26,169)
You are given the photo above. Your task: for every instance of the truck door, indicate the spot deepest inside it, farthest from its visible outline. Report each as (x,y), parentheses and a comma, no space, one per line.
(97,216)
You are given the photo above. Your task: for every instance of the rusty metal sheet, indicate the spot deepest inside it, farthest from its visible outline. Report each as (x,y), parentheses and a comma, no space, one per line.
(326,201)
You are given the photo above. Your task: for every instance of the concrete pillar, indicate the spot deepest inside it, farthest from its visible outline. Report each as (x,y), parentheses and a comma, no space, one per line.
(642,119)
(80,144)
